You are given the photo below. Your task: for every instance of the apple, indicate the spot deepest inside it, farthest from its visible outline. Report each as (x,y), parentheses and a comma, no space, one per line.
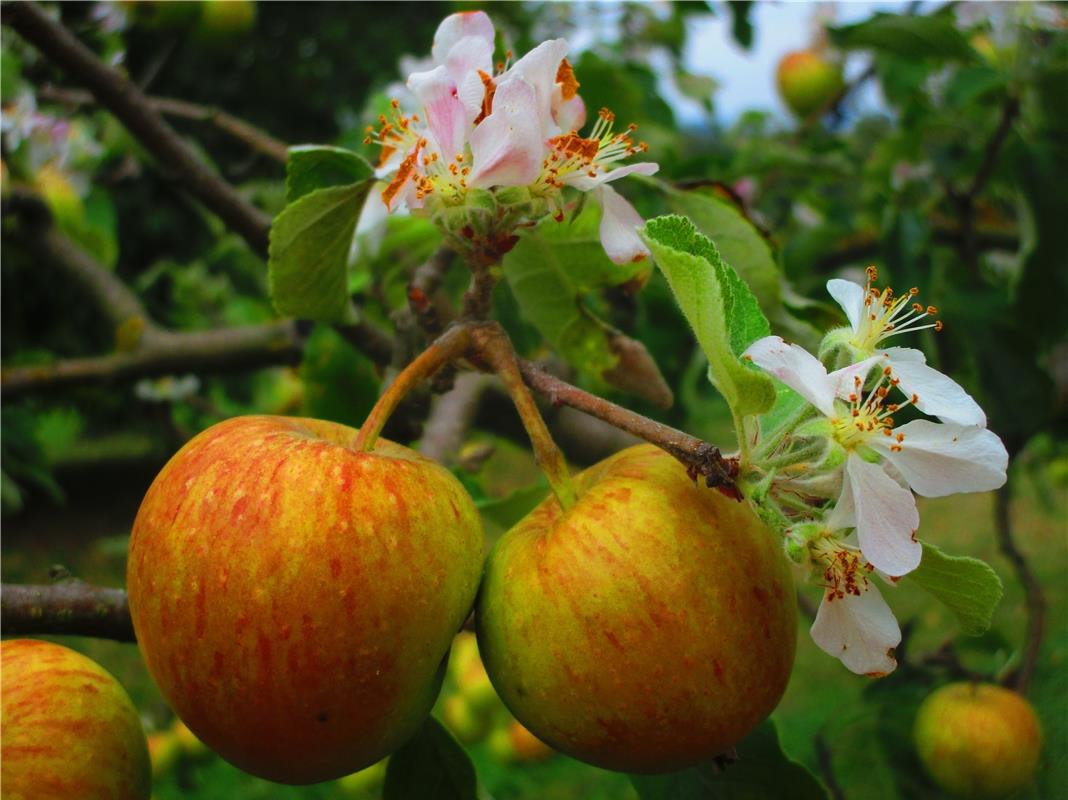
(222,20)
(808,82)
(978,739)
(525,745)
(464,722)
(164,750)
(69,728)
(294,598)
(365,783)
(647,628)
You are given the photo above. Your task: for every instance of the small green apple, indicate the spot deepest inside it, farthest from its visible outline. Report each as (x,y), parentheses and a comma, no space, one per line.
(295,598)
(164,750)
(69,728)
(978,739)
(464,722)
(647,628)
(222,20)
(366,782)
(808,82)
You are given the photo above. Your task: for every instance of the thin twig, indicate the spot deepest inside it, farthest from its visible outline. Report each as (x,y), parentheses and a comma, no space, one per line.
(129,104)
(246,132)
(1009,112)
(1020,679)
(700,457)
(71,607)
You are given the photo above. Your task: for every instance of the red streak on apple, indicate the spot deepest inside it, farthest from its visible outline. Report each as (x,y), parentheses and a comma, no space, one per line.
(294,598)
(69,728)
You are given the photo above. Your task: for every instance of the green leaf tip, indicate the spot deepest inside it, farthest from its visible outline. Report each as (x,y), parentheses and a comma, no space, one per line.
(966,586)
(719,306)
(308,255)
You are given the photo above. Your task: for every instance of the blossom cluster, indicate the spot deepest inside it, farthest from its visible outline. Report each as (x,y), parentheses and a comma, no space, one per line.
(493,146)
(840,478)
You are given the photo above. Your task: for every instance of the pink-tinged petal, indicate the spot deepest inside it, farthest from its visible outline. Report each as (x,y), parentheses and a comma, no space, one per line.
(886,518)
(570,114)
(458,26)
(797,368)
(942,459)
(507,146)
(619,228)
(861,631)
(850,296)
(583,182)
(538,68)
(445,116)
(843,381)
(471,91)
(936,394)
(469,55)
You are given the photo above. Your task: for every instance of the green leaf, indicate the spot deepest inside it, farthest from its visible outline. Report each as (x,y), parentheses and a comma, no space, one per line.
(431,766)
(966,586)
(738,241)
(309,250)
(909,36)
(311,167)
(720,308)
(763,772)
(551,270)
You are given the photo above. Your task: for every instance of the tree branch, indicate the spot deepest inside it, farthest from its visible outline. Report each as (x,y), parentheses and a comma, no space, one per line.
(166,353)
(451,416)
(700,457)
(1036,601)
(72,607)
(129,104)
(256,139)
(865,246)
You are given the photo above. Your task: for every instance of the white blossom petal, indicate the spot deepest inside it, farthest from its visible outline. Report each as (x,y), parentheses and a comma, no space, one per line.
(942,459)
(936,394)
(843,379)
(886,517)
(467,56)
(458,26)
(583,182)
(371,225)
(797,368)
(507,146)
(538,68)
(859,630)
(619,227)
(850,296)
(570,114)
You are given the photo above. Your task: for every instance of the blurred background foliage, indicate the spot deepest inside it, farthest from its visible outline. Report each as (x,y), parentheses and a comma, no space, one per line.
(953,182)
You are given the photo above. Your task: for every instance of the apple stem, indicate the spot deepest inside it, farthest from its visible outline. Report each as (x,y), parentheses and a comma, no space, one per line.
(451,344)
(493,345)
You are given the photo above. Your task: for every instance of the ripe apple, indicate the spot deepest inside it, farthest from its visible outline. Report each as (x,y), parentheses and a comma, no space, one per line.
(978,739)
(645,629)
(525,745)
(295,598)
(69,728)
(808,82)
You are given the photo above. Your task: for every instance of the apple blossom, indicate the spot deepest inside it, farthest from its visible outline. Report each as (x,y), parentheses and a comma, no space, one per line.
(495,146)
(853,623)
(934,459)
(874,316)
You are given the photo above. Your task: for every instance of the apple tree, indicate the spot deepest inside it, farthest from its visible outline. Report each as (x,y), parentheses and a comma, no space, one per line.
(498,435)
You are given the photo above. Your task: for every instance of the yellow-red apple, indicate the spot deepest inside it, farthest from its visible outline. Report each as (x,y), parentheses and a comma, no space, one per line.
(645,629)
(295,598)
(69,728)
(808,82)
(978,739)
